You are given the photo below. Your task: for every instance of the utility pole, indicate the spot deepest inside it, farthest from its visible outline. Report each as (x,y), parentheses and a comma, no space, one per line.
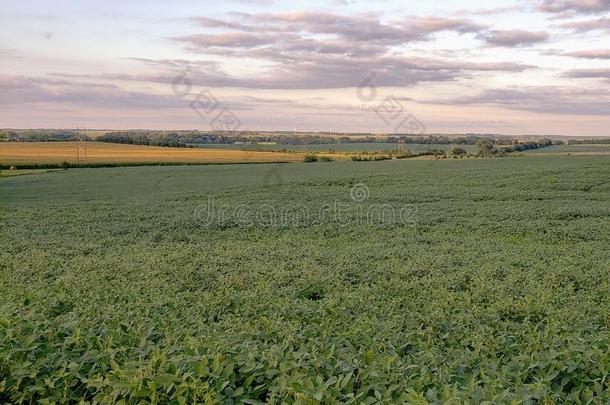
(401,145)
(81,146)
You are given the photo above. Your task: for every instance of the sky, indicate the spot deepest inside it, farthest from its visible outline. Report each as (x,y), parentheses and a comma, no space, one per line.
(412,66)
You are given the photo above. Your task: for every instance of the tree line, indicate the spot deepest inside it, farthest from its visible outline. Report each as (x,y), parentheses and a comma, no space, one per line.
(488,147)
(40,135)
(189,138)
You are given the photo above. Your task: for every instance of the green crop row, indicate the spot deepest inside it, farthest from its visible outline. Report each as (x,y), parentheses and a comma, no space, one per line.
(111,290)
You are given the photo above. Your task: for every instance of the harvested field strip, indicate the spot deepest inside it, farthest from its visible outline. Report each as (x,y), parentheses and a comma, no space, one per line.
(97,152)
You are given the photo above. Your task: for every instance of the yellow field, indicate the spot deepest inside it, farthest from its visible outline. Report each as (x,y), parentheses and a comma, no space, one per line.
(98,152)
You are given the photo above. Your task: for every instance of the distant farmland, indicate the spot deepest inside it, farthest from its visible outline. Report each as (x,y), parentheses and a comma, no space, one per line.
(114,288)
(98,152)
(339,147)
(584,149)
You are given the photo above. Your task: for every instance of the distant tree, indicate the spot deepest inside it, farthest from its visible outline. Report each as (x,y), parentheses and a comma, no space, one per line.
(486,147)
(405,153)
(457,151)
(436,152)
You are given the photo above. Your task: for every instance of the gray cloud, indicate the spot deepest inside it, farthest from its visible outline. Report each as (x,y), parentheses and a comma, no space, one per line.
(544,99)
(492,11)
(10,52)
(315,50)
(227,40)
(262,100)
(513,38)
(353,28)
(216,23)
(177,63)
(588,25)
(602,73)
(569,8)
(22,89)
(590,54)
(294,34)
(8,82)
(319,70)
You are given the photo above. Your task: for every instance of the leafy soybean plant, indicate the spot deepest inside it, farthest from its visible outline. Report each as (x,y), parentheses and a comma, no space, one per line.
(111,292)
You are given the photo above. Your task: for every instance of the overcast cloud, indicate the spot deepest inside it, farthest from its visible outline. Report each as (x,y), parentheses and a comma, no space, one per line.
(299,65)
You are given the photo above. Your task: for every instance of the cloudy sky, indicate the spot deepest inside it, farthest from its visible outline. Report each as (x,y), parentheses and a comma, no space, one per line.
(501,66)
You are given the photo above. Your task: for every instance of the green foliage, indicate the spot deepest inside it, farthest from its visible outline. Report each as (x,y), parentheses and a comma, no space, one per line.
(404,154)
(310,158)
(370,158)
(525,146)
(110,291)
(41,135)
(486,148)
(350,147)
(81,165)
(457,151)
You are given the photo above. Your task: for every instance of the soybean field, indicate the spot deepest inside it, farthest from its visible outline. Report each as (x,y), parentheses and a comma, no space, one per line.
(191,284)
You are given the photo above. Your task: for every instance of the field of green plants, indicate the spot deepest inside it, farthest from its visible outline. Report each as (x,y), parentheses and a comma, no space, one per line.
(603,149)
(113,291)
(340,147)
